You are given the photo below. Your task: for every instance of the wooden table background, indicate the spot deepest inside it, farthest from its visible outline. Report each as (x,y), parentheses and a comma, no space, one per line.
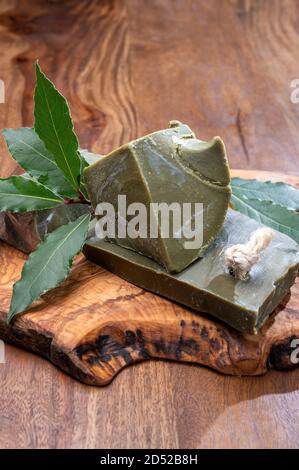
(127,67)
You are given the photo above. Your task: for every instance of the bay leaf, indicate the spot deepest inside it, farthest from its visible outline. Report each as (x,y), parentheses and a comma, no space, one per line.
(54,125)
(278,193)
(49,264)
(31,154)
(21,194)
(266,212)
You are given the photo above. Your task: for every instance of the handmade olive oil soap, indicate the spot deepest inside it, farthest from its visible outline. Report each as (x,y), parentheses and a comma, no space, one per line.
(206,285)
(167,167)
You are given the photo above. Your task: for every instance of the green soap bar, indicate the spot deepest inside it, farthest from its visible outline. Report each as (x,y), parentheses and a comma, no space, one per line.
(167,166)
(205,285)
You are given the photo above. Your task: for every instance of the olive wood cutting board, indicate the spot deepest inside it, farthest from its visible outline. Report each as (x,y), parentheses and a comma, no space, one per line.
(95,324)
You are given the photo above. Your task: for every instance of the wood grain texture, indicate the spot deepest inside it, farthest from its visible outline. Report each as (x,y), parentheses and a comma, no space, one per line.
(127,67)
(95,324)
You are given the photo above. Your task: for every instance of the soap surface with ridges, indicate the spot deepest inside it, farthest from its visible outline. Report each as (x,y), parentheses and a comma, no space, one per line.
(167,166)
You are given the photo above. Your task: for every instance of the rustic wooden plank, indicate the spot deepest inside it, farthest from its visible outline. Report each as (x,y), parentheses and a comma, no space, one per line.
(225,67)
(96,324)
(243,95)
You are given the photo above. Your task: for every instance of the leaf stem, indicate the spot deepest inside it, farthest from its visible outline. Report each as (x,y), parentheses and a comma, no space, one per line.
(76,201)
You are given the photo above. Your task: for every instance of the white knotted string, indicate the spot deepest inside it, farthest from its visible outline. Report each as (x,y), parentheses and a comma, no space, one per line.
(239,259)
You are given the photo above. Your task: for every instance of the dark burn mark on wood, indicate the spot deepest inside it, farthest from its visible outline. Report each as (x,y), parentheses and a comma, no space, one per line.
(102,350)
(215,344)
(92,360)
(137,342)
(228,337)
(143,353)
(130,338)
(187,346)
(83,348)
(183,343)
(195,326)
(160,346)
(204,333)
(175,349)
(105,348)
(178,349)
